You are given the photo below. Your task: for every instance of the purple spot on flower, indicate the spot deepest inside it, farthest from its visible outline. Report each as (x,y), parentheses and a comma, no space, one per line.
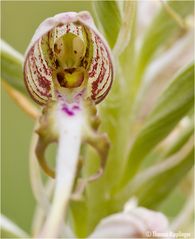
(75,107)
(67,111)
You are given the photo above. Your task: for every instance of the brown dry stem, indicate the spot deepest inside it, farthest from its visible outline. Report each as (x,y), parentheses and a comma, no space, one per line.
(21,101)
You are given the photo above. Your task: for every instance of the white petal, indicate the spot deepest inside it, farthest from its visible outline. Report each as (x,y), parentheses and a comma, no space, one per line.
(133,224)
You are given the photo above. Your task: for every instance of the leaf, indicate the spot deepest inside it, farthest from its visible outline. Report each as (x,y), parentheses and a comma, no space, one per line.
(163,29)
(109,19)
(127,28)
(180,141)
(78,215)
(174,103)
(169,148)
(10,230)
(172,170)
(117,117)
(126,68)
(11,67)
(153,192)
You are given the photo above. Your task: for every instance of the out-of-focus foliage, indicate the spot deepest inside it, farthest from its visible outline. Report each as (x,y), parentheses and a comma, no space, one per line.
(163,31)
(10,230)
(107,13)
(11,67)
(134,141)
(174,103)
(161,185)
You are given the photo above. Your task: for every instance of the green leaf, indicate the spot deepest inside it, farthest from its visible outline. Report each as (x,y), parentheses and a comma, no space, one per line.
(10,230)
(153,184)
(109,19)
(180,141)
(174,103)
(163,28)
(119,112)
(170,148)
(11,67)
(127,56)
(162,31)
(154,191)
(78,216)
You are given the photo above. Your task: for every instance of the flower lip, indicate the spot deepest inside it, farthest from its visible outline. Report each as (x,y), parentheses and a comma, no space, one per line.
(50,66)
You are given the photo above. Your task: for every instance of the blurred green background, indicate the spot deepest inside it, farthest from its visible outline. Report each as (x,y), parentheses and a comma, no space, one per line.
(19,21)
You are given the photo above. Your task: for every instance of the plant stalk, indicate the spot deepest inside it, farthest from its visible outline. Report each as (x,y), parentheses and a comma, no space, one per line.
(70,134)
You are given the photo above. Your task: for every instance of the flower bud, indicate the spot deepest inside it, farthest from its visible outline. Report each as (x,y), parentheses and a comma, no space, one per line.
(69,58)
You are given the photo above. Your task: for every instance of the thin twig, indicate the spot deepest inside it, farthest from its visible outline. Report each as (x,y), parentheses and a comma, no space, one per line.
(21,101)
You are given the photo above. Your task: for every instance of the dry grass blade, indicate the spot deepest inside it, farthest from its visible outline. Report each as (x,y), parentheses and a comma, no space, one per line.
(21,101)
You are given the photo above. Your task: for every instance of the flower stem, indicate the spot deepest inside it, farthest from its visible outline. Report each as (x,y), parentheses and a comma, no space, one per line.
(70,134)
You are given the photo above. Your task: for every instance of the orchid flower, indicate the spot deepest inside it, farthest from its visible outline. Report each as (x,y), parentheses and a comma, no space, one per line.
(67,69)
(115,94)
